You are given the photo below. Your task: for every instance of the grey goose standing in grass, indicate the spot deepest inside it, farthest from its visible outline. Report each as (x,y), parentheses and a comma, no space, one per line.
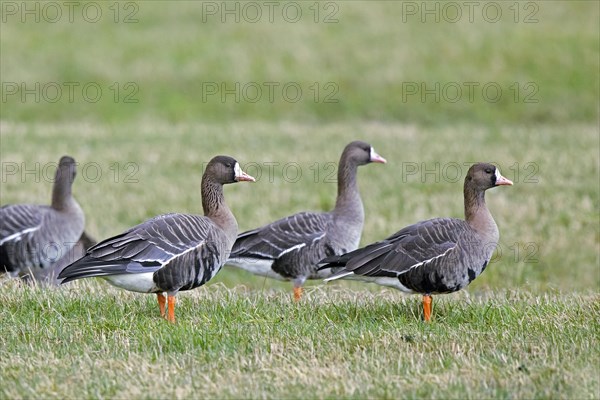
(291,247)
(440,255)
(172,252)
(50,276)
(34,237)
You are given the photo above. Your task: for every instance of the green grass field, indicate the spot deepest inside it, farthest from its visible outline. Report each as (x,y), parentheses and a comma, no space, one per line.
(527,328)
(233,343)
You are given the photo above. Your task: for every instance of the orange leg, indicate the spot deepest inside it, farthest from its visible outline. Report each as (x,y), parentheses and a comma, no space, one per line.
(427,307)
(297,293)
(171,300)
(162,301)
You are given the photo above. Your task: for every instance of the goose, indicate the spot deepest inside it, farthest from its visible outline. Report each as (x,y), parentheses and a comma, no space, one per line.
(49,276)
(34,237)
(441,255)
(291,247)
(172,252)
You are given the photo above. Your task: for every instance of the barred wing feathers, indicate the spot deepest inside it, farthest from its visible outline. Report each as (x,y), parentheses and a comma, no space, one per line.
(172,241)
(274,240)
(408,248)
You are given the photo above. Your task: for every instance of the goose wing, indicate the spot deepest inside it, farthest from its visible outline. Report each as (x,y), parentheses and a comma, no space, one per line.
(282,236)
(144,248)
(20,221)
(408,248)
(21,226)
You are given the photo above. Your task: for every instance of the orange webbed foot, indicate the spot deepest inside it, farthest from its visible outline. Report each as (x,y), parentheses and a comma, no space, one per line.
(427,300)
(162,301)
(171,303)
(297,293)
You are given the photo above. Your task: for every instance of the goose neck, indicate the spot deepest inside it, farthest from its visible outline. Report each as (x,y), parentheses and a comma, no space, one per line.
(61,191)
(478,215)
(348,199)
(215,208)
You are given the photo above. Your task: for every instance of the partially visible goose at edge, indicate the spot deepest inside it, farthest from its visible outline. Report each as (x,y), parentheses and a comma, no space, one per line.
(441,255)
(34,237)
(172,252)
(290,248)
(50,275)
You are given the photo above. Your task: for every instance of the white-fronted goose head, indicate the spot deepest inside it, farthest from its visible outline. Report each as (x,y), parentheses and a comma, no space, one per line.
(172,252)
(440,255)
(27,232)
(290,248)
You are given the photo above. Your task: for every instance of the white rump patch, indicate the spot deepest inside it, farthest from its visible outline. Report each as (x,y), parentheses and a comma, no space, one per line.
(379,280)
(142,283)
(255,266)
(391,282)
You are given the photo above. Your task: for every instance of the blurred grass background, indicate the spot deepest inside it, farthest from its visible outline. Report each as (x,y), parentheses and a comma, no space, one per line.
(525,329)
(170,52)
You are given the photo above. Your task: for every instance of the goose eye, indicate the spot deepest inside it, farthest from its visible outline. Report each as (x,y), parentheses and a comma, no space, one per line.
(488,170)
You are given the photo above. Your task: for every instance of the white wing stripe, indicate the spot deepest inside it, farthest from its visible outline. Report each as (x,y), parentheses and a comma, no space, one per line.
(346,273)
(318,237)
(333,278)
(296,247)
(173,256)
(17,236)
(429,260)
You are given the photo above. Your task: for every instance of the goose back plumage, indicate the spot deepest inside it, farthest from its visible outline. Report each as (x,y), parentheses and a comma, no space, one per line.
(33,238)
(50,275)
(171,252)
(181,251)
(440,255)
(291,247)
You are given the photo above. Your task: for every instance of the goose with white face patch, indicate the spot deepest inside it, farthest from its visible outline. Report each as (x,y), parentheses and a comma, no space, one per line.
(172,252)
(34,239)
(440,255)
(290,248)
